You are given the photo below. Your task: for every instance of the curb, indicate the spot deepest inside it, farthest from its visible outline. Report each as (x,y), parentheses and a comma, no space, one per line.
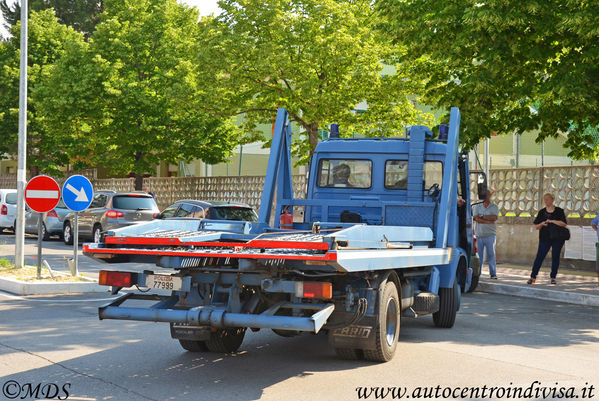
(24,288)
(540,293)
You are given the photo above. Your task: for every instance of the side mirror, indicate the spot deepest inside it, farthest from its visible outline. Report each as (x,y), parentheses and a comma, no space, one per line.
(481,184)
(157,215)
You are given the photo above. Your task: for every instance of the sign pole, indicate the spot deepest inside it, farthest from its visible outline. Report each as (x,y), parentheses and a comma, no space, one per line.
(39,245)
(22,145)
(76,244)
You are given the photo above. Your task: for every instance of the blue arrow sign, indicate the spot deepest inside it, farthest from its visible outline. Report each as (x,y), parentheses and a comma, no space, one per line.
(77,193)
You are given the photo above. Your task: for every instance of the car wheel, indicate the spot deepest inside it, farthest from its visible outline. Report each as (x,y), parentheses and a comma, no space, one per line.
(45,235)
(67,234)
(97,234)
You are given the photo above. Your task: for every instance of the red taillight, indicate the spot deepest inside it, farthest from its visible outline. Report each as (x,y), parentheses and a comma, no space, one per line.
(114,214)
(309,289)
(52,213)
(4,210)
(116,279)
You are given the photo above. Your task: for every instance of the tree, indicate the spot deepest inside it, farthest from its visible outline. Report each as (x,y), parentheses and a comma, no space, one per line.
(511,66)
(131,97)
(81,15)
(317,58)
(47,40)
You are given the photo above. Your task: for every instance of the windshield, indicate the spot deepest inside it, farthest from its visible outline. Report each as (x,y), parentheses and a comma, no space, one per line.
(232,213)
(11,198)
(344,173)
(133,202)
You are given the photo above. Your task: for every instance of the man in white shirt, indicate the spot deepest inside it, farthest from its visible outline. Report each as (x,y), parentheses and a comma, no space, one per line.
(485,215)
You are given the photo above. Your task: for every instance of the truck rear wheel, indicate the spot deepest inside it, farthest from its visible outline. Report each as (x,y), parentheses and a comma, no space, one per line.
(193,345)
(349,353)
(226,340)
(387,329)
(448,306)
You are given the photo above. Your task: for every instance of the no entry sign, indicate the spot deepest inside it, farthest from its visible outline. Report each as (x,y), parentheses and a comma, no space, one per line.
(42,193)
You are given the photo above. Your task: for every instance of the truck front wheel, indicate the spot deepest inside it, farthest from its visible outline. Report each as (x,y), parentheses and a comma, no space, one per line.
(387,329)
(226,340)
(448,306)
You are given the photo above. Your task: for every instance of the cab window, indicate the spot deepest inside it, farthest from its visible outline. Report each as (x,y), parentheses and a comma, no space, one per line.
(396,174)
(345,173)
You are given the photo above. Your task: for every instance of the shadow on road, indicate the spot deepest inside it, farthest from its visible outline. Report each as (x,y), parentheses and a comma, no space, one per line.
(143,355)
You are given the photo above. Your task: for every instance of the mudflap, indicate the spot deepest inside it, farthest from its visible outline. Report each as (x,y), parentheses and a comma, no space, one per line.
(184,331)
(361,335)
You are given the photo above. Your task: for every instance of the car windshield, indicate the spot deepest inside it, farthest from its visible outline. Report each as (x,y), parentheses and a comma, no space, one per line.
(133,202)
(11,198)
(232,213)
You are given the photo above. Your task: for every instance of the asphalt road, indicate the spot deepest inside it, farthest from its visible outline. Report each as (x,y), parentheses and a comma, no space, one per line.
(497,341)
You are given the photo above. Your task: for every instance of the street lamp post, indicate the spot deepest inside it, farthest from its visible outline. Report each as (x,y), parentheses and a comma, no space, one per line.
(22,147)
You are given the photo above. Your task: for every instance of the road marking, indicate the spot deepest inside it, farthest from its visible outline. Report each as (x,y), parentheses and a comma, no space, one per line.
(19,298)
(41,194)
(81,195)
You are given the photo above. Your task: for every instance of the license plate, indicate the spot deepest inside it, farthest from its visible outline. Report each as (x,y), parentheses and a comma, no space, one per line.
(163,282)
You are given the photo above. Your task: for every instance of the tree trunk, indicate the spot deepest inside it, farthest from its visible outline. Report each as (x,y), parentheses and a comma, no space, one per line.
(139,178)
(313,137)
(139,182)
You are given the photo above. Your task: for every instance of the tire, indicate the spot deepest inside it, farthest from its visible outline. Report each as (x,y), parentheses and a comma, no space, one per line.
(193,345)
(474,283)
(462,274)
(226,340)
(67,233)
(448,306)
(45,235)
(349,353)
(97,234)
(388,325)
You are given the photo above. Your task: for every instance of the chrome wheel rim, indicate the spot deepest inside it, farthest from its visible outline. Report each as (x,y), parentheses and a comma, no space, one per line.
(97,235)
(67,233)
(391,322)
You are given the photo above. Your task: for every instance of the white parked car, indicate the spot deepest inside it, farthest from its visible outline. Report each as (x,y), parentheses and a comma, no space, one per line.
(8,208)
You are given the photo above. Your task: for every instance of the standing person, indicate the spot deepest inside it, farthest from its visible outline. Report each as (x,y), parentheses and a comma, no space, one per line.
(548,222)
(594,224)
(485,216)
(147,190)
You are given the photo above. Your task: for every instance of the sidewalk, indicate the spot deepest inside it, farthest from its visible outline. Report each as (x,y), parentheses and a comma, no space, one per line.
(575,288)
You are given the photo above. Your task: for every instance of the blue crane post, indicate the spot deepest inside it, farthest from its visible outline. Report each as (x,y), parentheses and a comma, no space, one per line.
(77,194)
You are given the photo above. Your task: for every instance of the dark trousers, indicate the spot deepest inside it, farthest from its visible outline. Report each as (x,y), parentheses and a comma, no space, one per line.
(556,249)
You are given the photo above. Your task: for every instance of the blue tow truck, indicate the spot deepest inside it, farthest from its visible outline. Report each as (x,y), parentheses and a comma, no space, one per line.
(386,233)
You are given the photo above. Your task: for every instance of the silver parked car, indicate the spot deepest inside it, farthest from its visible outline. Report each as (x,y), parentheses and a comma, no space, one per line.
(214,210)
(110,210)
(52,221)
(8,208)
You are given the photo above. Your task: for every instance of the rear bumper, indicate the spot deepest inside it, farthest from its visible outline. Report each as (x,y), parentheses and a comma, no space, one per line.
(7,221)
(214,316)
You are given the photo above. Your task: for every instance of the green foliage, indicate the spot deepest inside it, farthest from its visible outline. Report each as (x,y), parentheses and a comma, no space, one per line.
(47,40)
(132,96)
(510,65)
(317,58)
(81,15)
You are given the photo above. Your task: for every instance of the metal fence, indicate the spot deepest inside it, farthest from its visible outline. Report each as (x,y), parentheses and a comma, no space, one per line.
(518,192)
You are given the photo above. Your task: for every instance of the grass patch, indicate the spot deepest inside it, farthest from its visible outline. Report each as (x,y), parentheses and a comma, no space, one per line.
(29,274)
